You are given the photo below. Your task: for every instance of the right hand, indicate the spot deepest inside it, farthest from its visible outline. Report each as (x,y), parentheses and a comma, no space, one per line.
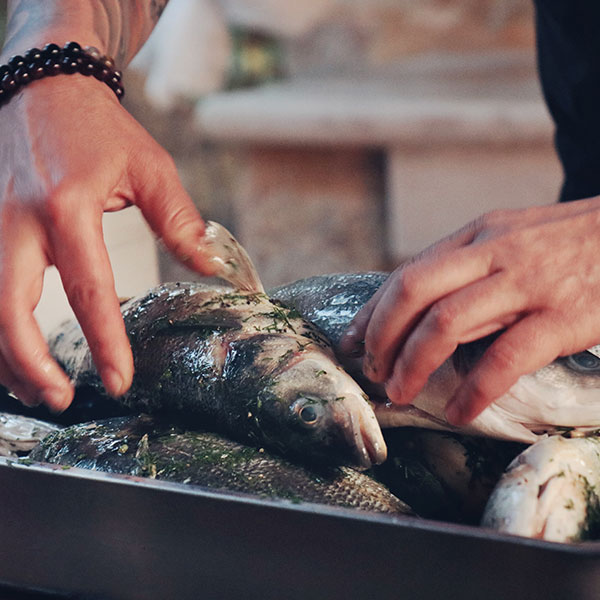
(70,152)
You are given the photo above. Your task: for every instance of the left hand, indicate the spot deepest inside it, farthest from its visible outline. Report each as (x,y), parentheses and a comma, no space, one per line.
(534,273)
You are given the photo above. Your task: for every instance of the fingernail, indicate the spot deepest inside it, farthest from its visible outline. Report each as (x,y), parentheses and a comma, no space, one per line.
(31,402)
(393,392)
(113,382)
(55,399)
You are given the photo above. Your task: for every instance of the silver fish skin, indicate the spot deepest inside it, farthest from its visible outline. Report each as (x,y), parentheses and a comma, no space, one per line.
(241,364)
(563,394)
(549,492)
(19,434)
(147,446)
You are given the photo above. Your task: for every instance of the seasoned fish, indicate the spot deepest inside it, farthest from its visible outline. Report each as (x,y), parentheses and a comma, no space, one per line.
(564,394)
(147,446)
(550,492)
(238,363)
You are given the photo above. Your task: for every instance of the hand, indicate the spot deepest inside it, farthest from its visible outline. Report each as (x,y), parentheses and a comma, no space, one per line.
(69,152)
(533,273)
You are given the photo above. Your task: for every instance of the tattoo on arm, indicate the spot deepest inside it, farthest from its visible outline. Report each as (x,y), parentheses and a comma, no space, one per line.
(121,25)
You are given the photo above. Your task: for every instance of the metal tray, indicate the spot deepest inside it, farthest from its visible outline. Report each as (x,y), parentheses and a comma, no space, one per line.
(97,535)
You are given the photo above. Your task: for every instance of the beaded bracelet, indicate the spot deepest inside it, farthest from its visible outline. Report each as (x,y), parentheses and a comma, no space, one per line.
(52,60)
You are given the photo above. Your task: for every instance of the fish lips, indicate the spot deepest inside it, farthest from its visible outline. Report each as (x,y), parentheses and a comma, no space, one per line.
(362,435)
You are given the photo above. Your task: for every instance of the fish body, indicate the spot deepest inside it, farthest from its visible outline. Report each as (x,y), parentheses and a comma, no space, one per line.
(149,447)
(549,492)
(241,364)
(562,395)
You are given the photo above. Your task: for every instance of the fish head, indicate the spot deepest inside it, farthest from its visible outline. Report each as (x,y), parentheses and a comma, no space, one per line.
(319,413)
(563,395)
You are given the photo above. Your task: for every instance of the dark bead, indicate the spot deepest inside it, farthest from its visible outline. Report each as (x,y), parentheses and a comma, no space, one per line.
(4,69)
(68,64)
(120,92)
(102,73)
(88,66)
(51,50)
(117,75)
(5,95)
(33,56)
(93,52)
(51,67)
(22,75)
(8,83)
(36,70)
(15,62)
(72,48)
(113,82)
(107,62)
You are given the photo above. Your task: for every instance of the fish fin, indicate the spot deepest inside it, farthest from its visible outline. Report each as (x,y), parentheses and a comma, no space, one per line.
(231,260)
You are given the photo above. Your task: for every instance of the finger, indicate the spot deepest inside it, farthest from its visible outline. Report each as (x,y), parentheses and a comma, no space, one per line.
(352,341)
(26,394)
(27,367)
(405,300)
(470,313)
(169,210)
(81,258)
(525,347)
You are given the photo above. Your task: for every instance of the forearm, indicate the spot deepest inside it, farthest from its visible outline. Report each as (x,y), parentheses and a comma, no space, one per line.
(568,50)
(116,27)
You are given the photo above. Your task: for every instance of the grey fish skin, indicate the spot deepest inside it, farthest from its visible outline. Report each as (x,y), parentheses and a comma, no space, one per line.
(562,395)
(330,302)
(238,363)
(148,447)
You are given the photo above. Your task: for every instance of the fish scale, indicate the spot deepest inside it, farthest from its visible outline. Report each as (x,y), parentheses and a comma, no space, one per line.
(150,447)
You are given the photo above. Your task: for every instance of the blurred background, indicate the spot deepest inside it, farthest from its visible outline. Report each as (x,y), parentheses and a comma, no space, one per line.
(336,135)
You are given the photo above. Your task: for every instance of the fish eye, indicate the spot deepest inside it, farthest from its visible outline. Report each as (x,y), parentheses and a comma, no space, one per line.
(308,414)
(584,361)
(308,410)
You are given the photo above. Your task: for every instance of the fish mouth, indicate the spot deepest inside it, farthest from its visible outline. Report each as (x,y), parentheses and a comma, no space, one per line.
(364,436)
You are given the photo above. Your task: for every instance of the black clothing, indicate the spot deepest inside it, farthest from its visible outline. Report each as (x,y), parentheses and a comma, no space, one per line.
(568,39)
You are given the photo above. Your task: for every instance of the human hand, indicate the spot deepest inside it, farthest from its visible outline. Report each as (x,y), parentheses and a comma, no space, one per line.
(533,273)
(70,152)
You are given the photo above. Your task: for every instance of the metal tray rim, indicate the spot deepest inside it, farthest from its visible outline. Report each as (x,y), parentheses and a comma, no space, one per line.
(587,548)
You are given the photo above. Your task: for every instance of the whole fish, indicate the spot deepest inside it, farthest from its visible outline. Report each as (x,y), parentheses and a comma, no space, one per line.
(149,447)
(550,492)
(241,364)
(562,395)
